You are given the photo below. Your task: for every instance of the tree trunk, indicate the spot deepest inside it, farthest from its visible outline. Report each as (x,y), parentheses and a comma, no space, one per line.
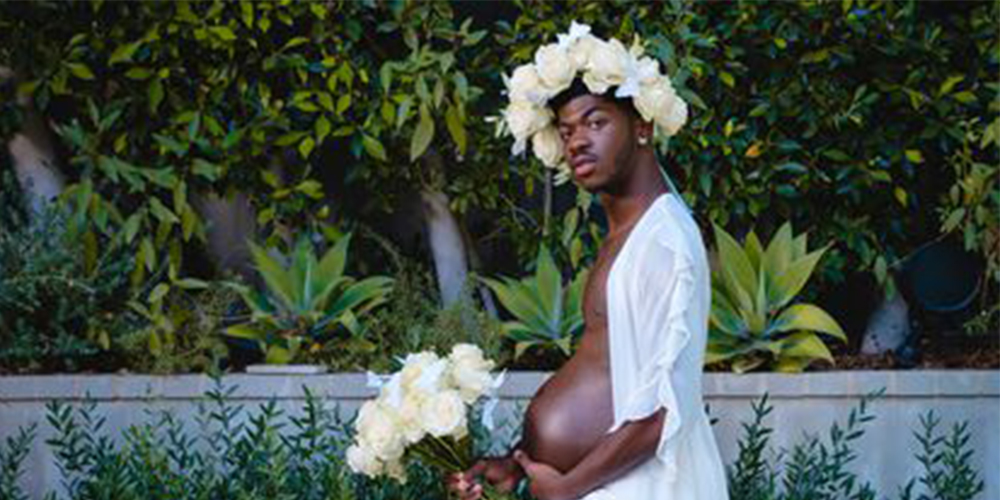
(33,156)
(447,246)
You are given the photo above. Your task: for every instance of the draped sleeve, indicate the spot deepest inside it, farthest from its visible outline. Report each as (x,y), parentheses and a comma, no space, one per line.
(658,330)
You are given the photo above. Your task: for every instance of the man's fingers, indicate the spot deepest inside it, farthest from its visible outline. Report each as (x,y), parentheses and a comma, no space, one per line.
(526,463)
(477,469)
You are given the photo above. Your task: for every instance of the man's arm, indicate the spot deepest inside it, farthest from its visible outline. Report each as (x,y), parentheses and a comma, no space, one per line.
(617,453)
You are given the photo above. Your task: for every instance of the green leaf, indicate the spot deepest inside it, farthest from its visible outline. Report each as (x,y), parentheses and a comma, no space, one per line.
(737,268)
(295,42)
(223,32)
(277,355)
(754,250)
(364,295)
(322,128)
(403,111)
(520,302)
(278,280)
(155,345)
(808,317)
(422,135)
(155,94)
(456,128)
(81,71)
(139,74)
(123,53)
(245,331)
(965,97)
(790,283)
(310,188)
(804,345)
(914,156)
(159,291)
(548,279)
(949,84)
(161,212)
(149,253)
(330,268)
(953,220)
(373,147)
(343,103)
(306,147)
(206,169)
(727,78)
(246,13)
(131,226)
(191,284)
(778,254)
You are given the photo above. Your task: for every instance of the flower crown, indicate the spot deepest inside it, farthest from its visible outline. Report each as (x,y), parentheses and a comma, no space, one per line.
(604,64)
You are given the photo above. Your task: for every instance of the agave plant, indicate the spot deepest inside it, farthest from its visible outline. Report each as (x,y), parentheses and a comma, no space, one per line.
(753,321)
(305,299)
(547,314)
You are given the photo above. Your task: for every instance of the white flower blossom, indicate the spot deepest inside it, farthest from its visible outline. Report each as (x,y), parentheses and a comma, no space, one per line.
(555,68)
(602,65)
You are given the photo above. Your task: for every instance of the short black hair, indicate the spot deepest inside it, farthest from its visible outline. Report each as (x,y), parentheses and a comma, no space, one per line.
(578,88)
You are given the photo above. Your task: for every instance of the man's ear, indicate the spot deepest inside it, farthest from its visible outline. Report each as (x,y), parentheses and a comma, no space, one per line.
(643,131)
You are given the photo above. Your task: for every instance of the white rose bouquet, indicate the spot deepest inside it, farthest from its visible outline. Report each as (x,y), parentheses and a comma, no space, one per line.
(422,412)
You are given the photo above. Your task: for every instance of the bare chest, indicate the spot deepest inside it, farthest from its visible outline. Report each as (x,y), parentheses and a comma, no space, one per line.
(595,295)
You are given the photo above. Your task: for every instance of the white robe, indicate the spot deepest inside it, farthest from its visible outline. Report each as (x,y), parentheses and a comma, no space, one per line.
(659,296)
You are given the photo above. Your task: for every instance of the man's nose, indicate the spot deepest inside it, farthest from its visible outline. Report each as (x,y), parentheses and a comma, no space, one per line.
(578,143)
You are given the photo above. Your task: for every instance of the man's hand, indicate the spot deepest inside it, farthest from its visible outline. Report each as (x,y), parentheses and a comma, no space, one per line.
(547,483)
(502,473)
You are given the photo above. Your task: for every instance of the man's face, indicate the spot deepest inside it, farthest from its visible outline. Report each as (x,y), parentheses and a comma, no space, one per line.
(598,141)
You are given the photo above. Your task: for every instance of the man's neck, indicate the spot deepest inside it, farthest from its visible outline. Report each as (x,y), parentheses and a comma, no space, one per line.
(625,207)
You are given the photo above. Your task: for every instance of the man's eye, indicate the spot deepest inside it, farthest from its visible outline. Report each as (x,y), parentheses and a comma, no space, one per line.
(595,124)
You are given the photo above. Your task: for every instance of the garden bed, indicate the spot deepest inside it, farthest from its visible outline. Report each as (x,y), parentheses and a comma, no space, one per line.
(803,403)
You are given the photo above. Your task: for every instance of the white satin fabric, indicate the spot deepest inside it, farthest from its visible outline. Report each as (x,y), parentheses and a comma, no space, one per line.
(659,297)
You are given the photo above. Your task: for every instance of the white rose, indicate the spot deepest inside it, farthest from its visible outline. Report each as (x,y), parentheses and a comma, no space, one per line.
(524,119)
(377,428)
(580,51)
(672,120)
(526,85)
(410,417)
(548,146)
(396,470)
(655,99)
(607,66)
(414,366)
(362,461)
(659,102)
(470,369)
(444,414)
(555,68)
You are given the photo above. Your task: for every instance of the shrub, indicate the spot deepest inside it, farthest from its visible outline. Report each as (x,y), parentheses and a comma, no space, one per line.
(306,300)
(269,453)
(547,314)
(753,320)
(62,296)
(818,470)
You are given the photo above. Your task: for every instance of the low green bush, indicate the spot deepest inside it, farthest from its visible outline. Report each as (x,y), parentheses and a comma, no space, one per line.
(62,295)
(235,454)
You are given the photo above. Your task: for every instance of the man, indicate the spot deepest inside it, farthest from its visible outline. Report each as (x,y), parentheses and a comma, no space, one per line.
(623,419)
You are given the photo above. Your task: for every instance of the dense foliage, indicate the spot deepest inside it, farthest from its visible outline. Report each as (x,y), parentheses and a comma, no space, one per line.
(330,117)
(236,453)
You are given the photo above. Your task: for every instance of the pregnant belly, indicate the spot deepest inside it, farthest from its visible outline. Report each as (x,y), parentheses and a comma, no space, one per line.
(570,414)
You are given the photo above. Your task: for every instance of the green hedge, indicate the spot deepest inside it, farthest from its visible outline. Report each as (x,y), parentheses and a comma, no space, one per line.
(873,125)
(267,453)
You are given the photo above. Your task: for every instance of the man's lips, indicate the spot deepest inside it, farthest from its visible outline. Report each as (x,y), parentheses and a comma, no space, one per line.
(584,165)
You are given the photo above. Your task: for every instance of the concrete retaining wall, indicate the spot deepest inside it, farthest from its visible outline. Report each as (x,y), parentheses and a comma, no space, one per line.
(803,403)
